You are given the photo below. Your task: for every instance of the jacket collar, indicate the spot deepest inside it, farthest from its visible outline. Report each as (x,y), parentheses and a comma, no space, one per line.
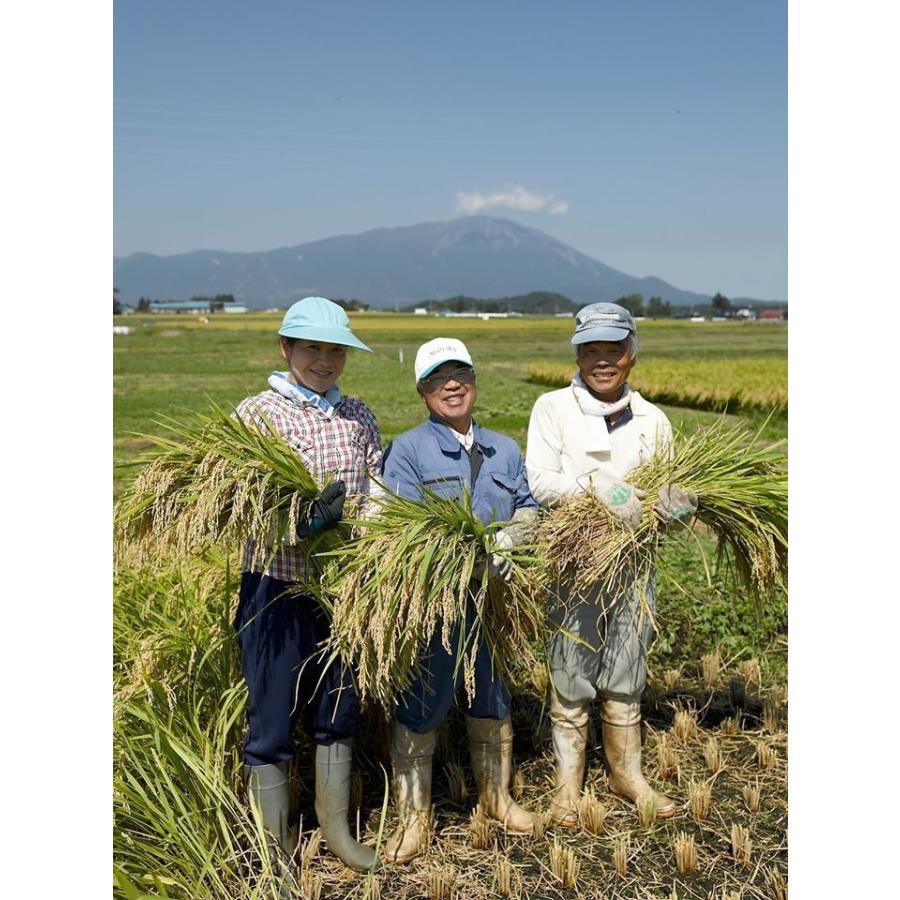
(639,406)
(449,444)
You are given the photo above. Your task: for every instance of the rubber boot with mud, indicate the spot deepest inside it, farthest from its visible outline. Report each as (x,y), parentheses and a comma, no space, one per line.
(269,792)
(569,727)
(622,747)
(333,763)
(411,756)
(490,748)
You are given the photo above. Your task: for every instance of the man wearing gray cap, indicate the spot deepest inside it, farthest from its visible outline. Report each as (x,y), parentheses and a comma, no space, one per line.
(587,437)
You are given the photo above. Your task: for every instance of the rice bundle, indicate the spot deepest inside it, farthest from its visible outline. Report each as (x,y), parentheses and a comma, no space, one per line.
(409,573)
(216,480)
(742,491)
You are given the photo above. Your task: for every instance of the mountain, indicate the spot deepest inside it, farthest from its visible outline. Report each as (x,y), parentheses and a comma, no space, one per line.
(476,255)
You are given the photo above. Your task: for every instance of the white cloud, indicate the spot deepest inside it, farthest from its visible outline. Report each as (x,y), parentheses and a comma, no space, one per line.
(515,197)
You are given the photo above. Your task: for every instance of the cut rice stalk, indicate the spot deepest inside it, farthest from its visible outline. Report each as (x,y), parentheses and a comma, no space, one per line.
(409,574)
(218,480)
(742,491)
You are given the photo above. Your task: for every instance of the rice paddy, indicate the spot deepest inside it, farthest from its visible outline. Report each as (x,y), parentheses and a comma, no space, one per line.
(737,385)
(714,709)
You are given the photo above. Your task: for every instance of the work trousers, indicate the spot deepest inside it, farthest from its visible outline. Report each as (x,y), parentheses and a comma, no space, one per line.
(279,632)
(613,634)
(425,704)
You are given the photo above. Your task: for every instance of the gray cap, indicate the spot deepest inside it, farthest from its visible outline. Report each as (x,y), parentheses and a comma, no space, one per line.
(602,322)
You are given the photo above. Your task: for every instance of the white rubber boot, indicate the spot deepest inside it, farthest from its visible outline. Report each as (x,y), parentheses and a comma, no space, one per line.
(490,747)
(569,723)
(622,747)
(411,755)
(333,762)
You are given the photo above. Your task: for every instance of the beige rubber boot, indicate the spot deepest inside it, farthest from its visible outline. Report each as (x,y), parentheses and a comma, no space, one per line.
(622,746)
(333,762)
(411,755)
(569,723)
(490,747)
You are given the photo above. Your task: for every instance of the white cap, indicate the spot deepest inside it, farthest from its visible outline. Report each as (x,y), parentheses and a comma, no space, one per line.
(440,350)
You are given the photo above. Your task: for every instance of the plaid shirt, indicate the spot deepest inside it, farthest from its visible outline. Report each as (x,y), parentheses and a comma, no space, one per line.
(343,442)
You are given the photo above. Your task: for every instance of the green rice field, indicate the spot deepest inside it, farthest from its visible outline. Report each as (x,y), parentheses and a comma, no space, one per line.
(715,709)
(170,364)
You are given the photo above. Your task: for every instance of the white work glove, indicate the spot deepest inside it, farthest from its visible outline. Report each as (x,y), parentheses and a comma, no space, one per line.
(516,531)
(622,500)
(674,504)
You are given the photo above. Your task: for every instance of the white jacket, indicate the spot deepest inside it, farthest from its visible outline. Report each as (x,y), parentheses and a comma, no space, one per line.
(569,451)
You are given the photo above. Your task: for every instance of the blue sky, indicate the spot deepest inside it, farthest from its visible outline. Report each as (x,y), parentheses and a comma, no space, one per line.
(649,135)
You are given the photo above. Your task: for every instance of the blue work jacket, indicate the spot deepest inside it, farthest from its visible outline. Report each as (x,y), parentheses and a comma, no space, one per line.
(431,456)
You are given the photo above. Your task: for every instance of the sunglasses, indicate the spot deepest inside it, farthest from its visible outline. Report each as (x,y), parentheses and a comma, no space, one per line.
(463,376)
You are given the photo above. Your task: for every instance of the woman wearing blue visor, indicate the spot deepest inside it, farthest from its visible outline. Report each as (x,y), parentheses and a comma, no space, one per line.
(279,624)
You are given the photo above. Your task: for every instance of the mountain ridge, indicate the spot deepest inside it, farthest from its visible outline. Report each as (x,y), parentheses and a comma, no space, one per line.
(394,265)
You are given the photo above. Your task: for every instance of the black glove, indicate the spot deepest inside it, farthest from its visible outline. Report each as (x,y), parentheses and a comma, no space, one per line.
(325,512)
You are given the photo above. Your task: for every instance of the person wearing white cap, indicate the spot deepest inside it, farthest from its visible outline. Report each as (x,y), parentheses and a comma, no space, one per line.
(451,453)
(588,437)
(279,624)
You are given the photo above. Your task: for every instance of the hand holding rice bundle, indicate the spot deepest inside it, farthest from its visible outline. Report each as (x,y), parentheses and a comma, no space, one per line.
(427,568)
(418,613)
(223,479)
(735,488)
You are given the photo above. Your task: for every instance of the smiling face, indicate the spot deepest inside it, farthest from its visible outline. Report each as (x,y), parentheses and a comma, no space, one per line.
(314,364)
(449,393)
(604,367)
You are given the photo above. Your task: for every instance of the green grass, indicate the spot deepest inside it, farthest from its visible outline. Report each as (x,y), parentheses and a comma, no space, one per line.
(172,363)
(181,825)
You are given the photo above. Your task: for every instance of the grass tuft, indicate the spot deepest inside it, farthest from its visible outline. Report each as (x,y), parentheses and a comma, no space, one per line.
(713,756)
(751,793)
(685,853)
(503,876)
(647,813)
(666,760)
(621,852)
(711,669)
(729,727)
(699,799)
(766,756)
(481,828)
(776,883)
(672,677)
(564,864)
(441,882)
(685,725)
(592,812)
(741,845)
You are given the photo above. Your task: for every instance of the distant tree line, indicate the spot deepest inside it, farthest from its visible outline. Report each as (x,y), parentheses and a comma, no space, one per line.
(536,303)
(353,305)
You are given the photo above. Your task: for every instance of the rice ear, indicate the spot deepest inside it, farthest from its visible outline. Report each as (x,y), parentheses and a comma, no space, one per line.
(407,576)
(742,491)
(215,480)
